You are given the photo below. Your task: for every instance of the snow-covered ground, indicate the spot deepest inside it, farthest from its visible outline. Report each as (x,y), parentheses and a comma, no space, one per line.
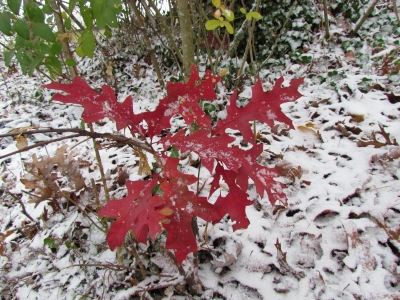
(338,237)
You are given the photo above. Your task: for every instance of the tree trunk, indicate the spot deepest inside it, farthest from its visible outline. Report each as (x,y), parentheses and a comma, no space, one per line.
(187,36)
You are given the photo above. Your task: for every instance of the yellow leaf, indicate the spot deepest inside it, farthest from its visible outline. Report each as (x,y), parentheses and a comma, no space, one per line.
(166,211)
(216,3)
(223,72)
(63,37)
(212,24)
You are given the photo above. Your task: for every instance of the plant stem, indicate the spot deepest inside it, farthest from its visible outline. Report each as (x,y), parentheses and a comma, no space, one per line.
(326,20)
(100,164)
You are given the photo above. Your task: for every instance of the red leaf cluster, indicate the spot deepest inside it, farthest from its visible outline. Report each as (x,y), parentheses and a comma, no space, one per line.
(175,205)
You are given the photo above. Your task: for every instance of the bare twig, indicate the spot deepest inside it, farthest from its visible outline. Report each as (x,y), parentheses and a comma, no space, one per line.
(79,132)
(326,20)
(117,268)
(22,205)
(361,21)
(99,163)
(40,144)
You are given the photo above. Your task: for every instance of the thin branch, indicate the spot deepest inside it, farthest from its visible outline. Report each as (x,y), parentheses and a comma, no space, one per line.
(327,34)
(100,164)
(361,21)
(40,144)
(22,205)
(79,132)
(117,268)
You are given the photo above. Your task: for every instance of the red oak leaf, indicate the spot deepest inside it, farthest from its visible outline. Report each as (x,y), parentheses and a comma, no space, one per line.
(235,201)
(96,106)
(137,212)
(183,99)
(263,107)
(185,204)
(240,161)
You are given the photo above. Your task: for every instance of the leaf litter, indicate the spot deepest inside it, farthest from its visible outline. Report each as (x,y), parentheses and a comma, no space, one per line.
(337,238)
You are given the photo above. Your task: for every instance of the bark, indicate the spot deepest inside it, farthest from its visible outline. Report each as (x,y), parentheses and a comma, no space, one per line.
(187,36)
(327,34)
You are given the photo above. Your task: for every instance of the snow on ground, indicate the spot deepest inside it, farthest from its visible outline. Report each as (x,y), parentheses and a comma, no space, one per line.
(338,238)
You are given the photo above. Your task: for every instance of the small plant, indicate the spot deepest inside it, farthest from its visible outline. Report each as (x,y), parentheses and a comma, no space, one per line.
(167,200)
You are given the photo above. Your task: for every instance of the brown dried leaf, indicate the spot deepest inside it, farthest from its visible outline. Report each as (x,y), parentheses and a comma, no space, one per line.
(21,142)
(144,167)
(289,170)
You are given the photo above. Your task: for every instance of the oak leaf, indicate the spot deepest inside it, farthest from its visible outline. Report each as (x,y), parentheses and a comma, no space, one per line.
(183,99)
(96,106)
(138,211)
(185,204)
(263,107)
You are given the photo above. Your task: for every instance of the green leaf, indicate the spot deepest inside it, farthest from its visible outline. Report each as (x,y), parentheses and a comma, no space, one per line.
(71,5)
(212,24)
(56,48)
(107,32)
(34,12)
(5,23)
(174,152)
(70,62)
(41,48)
(47,10)
(101,22)
(50,243)
(19,42)
(23,58)
(243,10)
(79,52)
(255,15)
(228,27)
(22,29)
(44,31)
(111,17)
(88,43)
(53,65)
(67,23)
(34,64)
(98,7)
(86,14)
(229,15)
(157,190)
(216,3)
(14,6)
(8,55)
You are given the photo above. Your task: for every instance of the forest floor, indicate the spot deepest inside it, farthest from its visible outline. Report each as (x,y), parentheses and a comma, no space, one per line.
(337,238)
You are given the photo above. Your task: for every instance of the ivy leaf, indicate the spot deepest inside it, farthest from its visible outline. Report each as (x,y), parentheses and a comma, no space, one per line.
(185,205)
(96,106)
(263,107)
(137,212)
(235,201)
